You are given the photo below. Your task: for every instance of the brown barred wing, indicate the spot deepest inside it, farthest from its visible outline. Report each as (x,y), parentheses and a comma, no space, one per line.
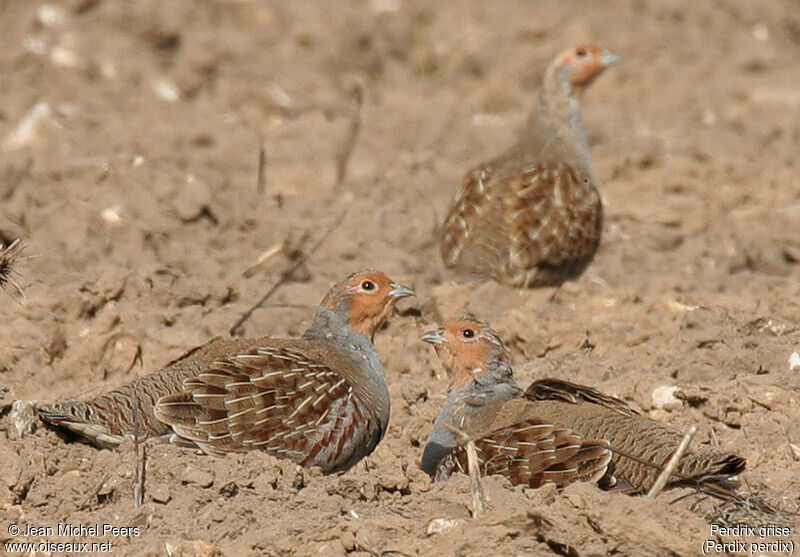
(292,402)
(474,240)
(534,452)
(554,219)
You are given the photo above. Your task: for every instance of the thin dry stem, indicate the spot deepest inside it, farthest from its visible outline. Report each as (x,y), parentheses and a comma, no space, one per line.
(263,258)
(473,466)
(261,183)
(86,502)
(352,136)
(286,275)
(139,468)
(662,479)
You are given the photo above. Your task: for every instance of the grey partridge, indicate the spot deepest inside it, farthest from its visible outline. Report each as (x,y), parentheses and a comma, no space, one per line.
(486,405)
(533,215)
(482,382)
(319,400)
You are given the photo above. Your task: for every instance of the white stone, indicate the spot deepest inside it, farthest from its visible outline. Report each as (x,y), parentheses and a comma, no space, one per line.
(440,525)
(26,131)
(166,90)
(664,397)
(794,361)
(51,15)
(112,216)
(64,57)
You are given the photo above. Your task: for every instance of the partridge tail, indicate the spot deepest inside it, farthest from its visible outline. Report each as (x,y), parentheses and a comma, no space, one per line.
(711,473)
(105,420)
(697,466)
(80,418)
(707,472)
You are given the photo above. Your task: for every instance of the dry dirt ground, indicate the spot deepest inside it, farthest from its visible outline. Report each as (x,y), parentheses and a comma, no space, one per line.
(130,135)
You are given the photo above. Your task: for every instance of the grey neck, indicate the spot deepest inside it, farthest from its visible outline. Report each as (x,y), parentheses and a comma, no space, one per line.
(557,116)
(465,407)
(331,328)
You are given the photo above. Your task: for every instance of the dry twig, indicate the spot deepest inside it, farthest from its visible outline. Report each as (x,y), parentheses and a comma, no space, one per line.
(352,136)
(663,478)
(261,183)
(139,468)
(263,258)
(286,275)
(475,485)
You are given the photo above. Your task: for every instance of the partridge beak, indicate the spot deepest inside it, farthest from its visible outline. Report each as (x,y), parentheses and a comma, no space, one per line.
(400,291)
(433,337)
(607,58)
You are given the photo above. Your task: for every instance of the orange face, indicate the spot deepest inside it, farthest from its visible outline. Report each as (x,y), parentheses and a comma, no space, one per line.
(465,347)
(585,62)
(367,297)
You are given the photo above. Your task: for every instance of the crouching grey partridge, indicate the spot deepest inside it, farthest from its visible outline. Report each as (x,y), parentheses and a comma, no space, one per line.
(533,215)
(319,400)
(556,431)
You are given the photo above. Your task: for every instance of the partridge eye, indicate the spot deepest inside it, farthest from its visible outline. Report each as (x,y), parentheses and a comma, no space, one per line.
(467,333)
(368,285)
(581,52)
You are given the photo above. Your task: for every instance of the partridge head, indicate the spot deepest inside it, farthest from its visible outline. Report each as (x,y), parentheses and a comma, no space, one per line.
(319,400)
(576,68)
(469,350)
(365,300)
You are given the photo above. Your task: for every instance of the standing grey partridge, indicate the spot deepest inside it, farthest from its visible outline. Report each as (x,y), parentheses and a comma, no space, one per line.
(317,400)
(533,215)
(483,390)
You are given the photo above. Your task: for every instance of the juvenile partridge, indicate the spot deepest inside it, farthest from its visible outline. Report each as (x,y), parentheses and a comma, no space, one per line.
(319,400)
(533,216)
(483,389)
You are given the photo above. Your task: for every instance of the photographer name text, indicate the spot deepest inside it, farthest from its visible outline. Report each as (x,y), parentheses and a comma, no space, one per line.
(63,529)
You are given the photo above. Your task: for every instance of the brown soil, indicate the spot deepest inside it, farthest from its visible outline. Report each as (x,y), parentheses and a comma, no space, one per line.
(136,194)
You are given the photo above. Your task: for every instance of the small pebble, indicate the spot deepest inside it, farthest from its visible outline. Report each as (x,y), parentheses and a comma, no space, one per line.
(440,525)
(64,57)
(664,397)
(166,90)
(29,128)
(51,15)
(761,32)
(159,494)
(200,478)
(111,216)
